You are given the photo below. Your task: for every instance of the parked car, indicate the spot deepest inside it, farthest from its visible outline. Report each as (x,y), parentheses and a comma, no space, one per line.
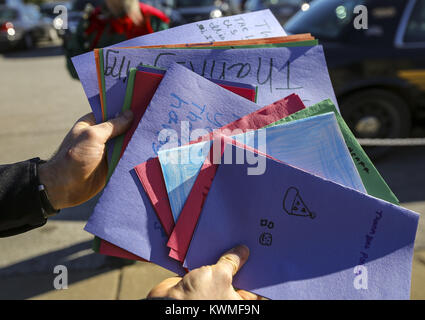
(282,9)
(22,25)
(378,73)
(44,24)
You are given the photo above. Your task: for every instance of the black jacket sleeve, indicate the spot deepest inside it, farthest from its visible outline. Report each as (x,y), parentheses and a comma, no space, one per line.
(20,202)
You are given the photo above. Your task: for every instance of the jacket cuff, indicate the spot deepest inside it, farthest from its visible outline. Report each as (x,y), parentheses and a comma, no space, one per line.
(20,202)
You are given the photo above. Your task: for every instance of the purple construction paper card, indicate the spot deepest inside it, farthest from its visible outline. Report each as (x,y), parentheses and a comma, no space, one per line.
(309,238)
(124,215)
(276,72)
(259,24)
(118,96)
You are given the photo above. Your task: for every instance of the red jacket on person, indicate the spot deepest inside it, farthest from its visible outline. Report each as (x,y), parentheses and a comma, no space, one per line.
(123,25)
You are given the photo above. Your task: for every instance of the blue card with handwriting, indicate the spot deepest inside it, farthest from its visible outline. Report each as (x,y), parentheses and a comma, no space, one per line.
(309,238)
(314,144)
(183,103)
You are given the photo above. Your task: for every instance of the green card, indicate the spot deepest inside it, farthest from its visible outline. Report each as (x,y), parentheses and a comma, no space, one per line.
(113,161)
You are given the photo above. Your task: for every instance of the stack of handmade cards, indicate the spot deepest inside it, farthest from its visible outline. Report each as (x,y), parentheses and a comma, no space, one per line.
(237,138)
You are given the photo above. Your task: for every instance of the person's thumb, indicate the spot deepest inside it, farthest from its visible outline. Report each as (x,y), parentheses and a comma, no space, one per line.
(233,260)
(114,127)
(162,289)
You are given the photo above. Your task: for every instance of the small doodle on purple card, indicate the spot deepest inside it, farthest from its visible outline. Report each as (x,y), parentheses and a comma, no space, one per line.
(266,238)
(294,205)
(266,223)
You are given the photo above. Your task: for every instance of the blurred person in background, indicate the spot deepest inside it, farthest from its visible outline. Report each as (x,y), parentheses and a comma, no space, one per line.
(111,23)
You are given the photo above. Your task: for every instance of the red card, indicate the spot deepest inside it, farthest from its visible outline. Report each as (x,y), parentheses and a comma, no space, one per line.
(110,249)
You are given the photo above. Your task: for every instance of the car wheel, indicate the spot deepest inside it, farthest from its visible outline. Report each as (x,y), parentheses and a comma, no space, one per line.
(376,113)
(28,41)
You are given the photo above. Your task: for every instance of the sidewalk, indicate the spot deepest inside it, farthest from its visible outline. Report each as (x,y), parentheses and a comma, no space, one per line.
(134,282)
(130,282)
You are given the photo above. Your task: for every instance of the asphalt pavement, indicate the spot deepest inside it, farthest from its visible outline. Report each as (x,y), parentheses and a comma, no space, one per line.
(39,103)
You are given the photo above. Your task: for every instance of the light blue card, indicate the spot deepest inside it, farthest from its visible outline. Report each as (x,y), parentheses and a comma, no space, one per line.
(313,144)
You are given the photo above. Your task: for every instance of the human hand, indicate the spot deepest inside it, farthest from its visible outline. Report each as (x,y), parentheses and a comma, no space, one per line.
(208,282)
(78,170)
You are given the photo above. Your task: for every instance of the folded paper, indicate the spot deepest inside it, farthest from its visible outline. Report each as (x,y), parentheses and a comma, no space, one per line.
(309,238)
(124,215)
(372,180)
(314,144)
(150,173)
(141,86)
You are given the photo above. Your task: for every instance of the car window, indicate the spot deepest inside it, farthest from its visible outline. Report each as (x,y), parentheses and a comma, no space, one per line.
(32,13)
(192,3)
(415,31)
(325,18)
(8,14)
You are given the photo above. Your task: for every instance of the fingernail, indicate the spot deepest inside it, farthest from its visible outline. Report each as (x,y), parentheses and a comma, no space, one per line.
(241,250)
